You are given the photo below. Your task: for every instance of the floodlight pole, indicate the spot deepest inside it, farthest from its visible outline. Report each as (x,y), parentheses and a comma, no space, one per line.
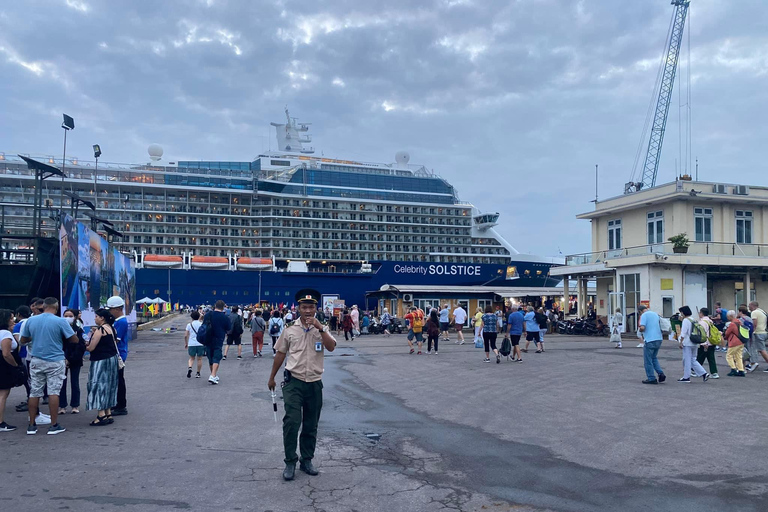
(95,185)
(63,164)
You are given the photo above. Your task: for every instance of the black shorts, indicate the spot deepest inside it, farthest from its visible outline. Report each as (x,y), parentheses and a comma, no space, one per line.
(234,339)
(444,326)
(515,339)
(533,336)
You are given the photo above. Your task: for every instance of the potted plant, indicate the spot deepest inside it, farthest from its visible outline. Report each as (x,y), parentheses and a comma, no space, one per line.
(680,243)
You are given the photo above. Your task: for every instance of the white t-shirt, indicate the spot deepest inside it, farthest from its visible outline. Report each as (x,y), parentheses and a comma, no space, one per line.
(288,317)
(192,329)
(459,316)
(7,334)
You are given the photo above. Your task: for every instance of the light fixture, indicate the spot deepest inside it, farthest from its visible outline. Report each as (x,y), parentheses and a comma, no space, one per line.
(323,262)
(96,151)
(307,261)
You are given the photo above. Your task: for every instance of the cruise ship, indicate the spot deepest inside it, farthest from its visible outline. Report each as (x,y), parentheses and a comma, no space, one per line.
(297,218)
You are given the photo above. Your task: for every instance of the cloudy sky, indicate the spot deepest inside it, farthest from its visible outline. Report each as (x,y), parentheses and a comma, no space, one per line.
(514,102)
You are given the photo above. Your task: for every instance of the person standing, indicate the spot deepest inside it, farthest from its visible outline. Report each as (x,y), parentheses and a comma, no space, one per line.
(22,313)
(735,347)
(541,319)
(235,334)
(707,350)
(258,326)
(617,321)
(515,324)
(48,366)
(195,349)
(348,325)
(302,347)
(74,356)
(116,306)
(220,326)
(434,326)
(103,371)
(445,323)
(11,372)
(276,326)
(689,348)
(759,337)
(489,323)
(355,315)
(650,332)
(459,319)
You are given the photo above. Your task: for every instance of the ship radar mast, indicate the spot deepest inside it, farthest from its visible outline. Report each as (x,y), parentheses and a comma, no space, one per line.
(292,135)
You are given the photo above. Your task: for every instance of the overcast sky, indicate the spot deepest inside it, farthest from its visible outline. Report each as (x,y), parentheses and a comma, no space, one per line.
(514,102)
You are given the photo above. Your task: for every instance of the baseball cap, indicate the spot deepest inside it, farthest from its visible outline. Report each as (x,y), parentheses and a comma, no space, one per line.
(115,302)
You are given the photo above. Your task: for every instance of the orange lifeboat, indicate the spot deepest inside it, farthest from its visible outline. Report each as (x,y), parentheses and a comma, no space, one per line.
(246,263)
(161,261)
(209,262)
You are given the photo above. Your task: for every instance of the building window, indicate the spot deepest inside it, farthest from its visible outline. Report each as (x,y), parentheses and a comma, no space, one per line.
(656,228)
(702,218)
(614,234)
(743,227)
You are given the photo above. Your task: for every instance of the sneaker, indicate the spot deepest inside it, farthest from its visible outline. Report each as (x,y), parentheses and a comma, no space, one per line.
(650,382)
(705,377)
(498,359)
(486,360)
(456,342)
(198,375)
(435,352)
(524,350)
(31,430)
(662,377)
(239,357)
(519,360)
(42,419)
(212,379)
(640,345)
(217,379)
(461,342)
(22,407)
(189,373)
(4,427)
(56,429)
(714,376)
(732,373)
(259,352)
(429,352)
(539,351)
(683,379)
(765,371)
(224,358)
(754,366)
(418,353)
(255,356)
(412,351)
(741,374)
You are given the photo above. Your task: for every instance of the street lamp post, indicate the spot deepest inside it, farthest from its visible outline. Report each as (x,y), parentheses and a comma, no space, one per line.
(96,155)
(67,124)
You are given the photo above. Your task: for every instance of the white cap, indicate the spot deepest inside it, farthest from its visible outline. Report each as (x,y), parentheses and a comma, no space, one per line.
(115,302)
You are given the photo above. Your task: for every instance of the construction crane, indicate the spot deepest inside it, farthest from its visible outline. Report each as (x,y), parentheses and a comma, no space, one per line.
(669,69)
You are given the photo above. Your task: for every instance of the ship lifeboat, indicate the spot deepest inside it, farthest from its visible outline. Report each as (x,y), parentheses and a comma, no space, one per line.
(160,261)
(209,262)
(254,263)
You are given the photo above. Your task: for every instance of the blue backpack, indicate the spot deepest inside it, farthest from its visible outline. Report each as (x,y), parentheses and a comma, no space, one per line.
(205,332)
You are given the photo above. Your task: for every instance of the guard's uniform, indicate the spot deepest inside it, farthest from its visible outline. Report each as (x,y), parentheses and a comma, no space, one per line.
(303,393)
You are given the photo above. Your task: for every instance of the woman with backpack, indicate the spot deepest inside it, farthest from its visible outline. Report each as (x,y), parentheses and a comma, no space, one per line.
(73,352)
(258,326)
(276,326)
(735,347)
(433,330)
(708,348)
(691,335)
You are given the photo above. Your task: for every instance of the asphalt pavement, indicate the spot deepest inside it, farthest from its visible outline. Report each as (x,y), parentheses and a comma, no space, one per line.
(571,429)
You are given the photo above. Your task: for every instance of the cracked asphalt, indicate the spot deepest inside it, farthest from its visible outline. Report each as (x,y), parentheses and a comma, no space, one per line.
(568,430)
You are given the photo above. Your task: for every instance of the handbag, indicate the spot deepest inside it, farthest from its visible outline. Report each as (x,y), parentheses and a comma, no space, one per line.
(120,362)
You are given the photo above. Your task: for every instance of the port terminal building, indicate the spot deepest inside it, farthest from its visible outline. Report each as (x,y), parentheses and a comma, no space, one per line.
(632,260)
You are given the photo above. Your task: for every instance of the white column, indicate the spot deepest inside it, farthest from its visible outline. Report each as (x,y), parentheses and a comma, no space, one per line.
(566,293)
(747,291)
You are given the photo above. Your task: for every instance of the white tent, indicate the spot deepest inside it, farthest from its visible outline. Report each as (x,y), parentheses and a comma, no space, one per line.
(145,300)
(158,300)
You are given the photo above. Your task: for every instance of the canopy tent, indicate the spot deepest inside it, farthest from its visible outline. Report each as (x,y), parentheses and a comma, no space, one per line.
(158,300)
(145,300)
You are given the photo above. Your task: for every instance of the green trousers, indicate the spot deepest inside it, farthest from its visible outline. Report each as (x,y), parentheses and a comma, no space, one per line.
(303,402)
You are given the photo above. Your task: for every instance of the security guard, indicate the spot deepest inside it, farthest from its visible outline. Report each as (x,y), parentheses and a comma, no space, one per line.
(302,346)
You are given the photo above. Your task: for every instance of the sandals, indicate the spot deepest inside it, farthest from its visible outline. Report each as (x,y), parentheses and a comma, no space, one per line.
(100,421)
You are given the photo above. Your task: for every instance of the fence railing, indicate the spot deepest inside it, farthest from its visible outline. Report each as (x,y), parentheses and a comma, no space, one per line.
(695,248)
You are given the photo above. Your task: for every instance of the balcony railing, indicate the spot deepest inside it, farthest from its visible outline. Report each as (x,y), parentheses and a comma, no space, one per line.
(695,249)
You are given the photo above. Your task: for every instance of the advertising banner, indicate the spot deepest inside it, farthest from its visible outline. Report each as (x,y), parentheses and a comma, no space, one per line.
(92,270)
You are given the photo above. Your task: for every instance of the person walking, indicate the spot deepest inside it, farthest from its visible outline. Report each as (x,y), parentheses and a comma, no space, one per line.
(617,322)
(48,365)
(235,334)
(531,330)
(433,330)
(515,327)
(258,326)
(103,372)
(195,349)
(73,352)
(11,368)
(650,332)
(459,319)
(347,324)
(445,323)
(386,322)
(415,321)
(734,354)
(489,323)
(116,306)
(220,326)
(276,326)
(689,348)
(477,325)
(760,335)
(302,347)
(541,319)
(355,315)
(707,349)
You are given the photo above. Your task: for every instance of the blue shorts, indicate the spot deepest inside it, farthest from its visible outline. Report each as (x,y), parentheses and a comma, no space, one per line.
(214,354)
(418,335)
(197,351)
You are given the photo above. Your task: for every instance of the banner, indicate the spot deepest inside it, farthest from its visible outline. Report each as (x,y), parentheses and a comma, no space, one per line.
(92,271)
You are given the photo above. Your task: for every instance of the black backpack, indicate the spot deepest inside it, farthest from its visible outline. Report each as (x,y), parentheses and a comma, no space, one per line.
(274,328)
(205,331)
(506,347)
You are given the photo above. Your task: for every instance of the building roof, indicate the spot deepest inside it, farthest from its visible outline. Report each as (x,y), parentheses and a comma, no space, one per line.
(504,291)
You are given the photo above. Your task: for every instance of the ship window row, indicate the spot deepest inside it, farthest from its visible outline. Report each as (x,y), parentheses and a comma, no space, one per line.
(366,207)
(241,166)
(347,179)
(352,193)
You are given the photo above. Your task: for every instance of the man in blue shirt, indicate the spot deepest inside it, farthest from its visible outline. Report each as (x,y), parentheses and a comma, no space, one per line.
(532,331)
(220,326)
(515,323)
(445,323)
(116,306)
(650,330)
(48,333)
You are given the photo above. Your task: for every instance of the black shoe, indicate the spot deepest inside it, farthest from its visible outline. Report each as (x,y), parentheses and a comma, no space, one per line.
(650,382)
(289,472)
(22,407)
(741,374)
(119,412)
(662,377)
(732,373)
(239,357)
(189,373)
(307,467)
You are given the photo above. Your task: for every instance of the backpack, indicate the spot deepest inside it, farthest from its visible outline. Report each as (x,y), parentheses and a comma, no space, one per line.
(698,335)
(274,327)
(506,347)
(665,325)
(715,336)
(541,319)
(237,325)
(205,331)
(743,332)
(417,325)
